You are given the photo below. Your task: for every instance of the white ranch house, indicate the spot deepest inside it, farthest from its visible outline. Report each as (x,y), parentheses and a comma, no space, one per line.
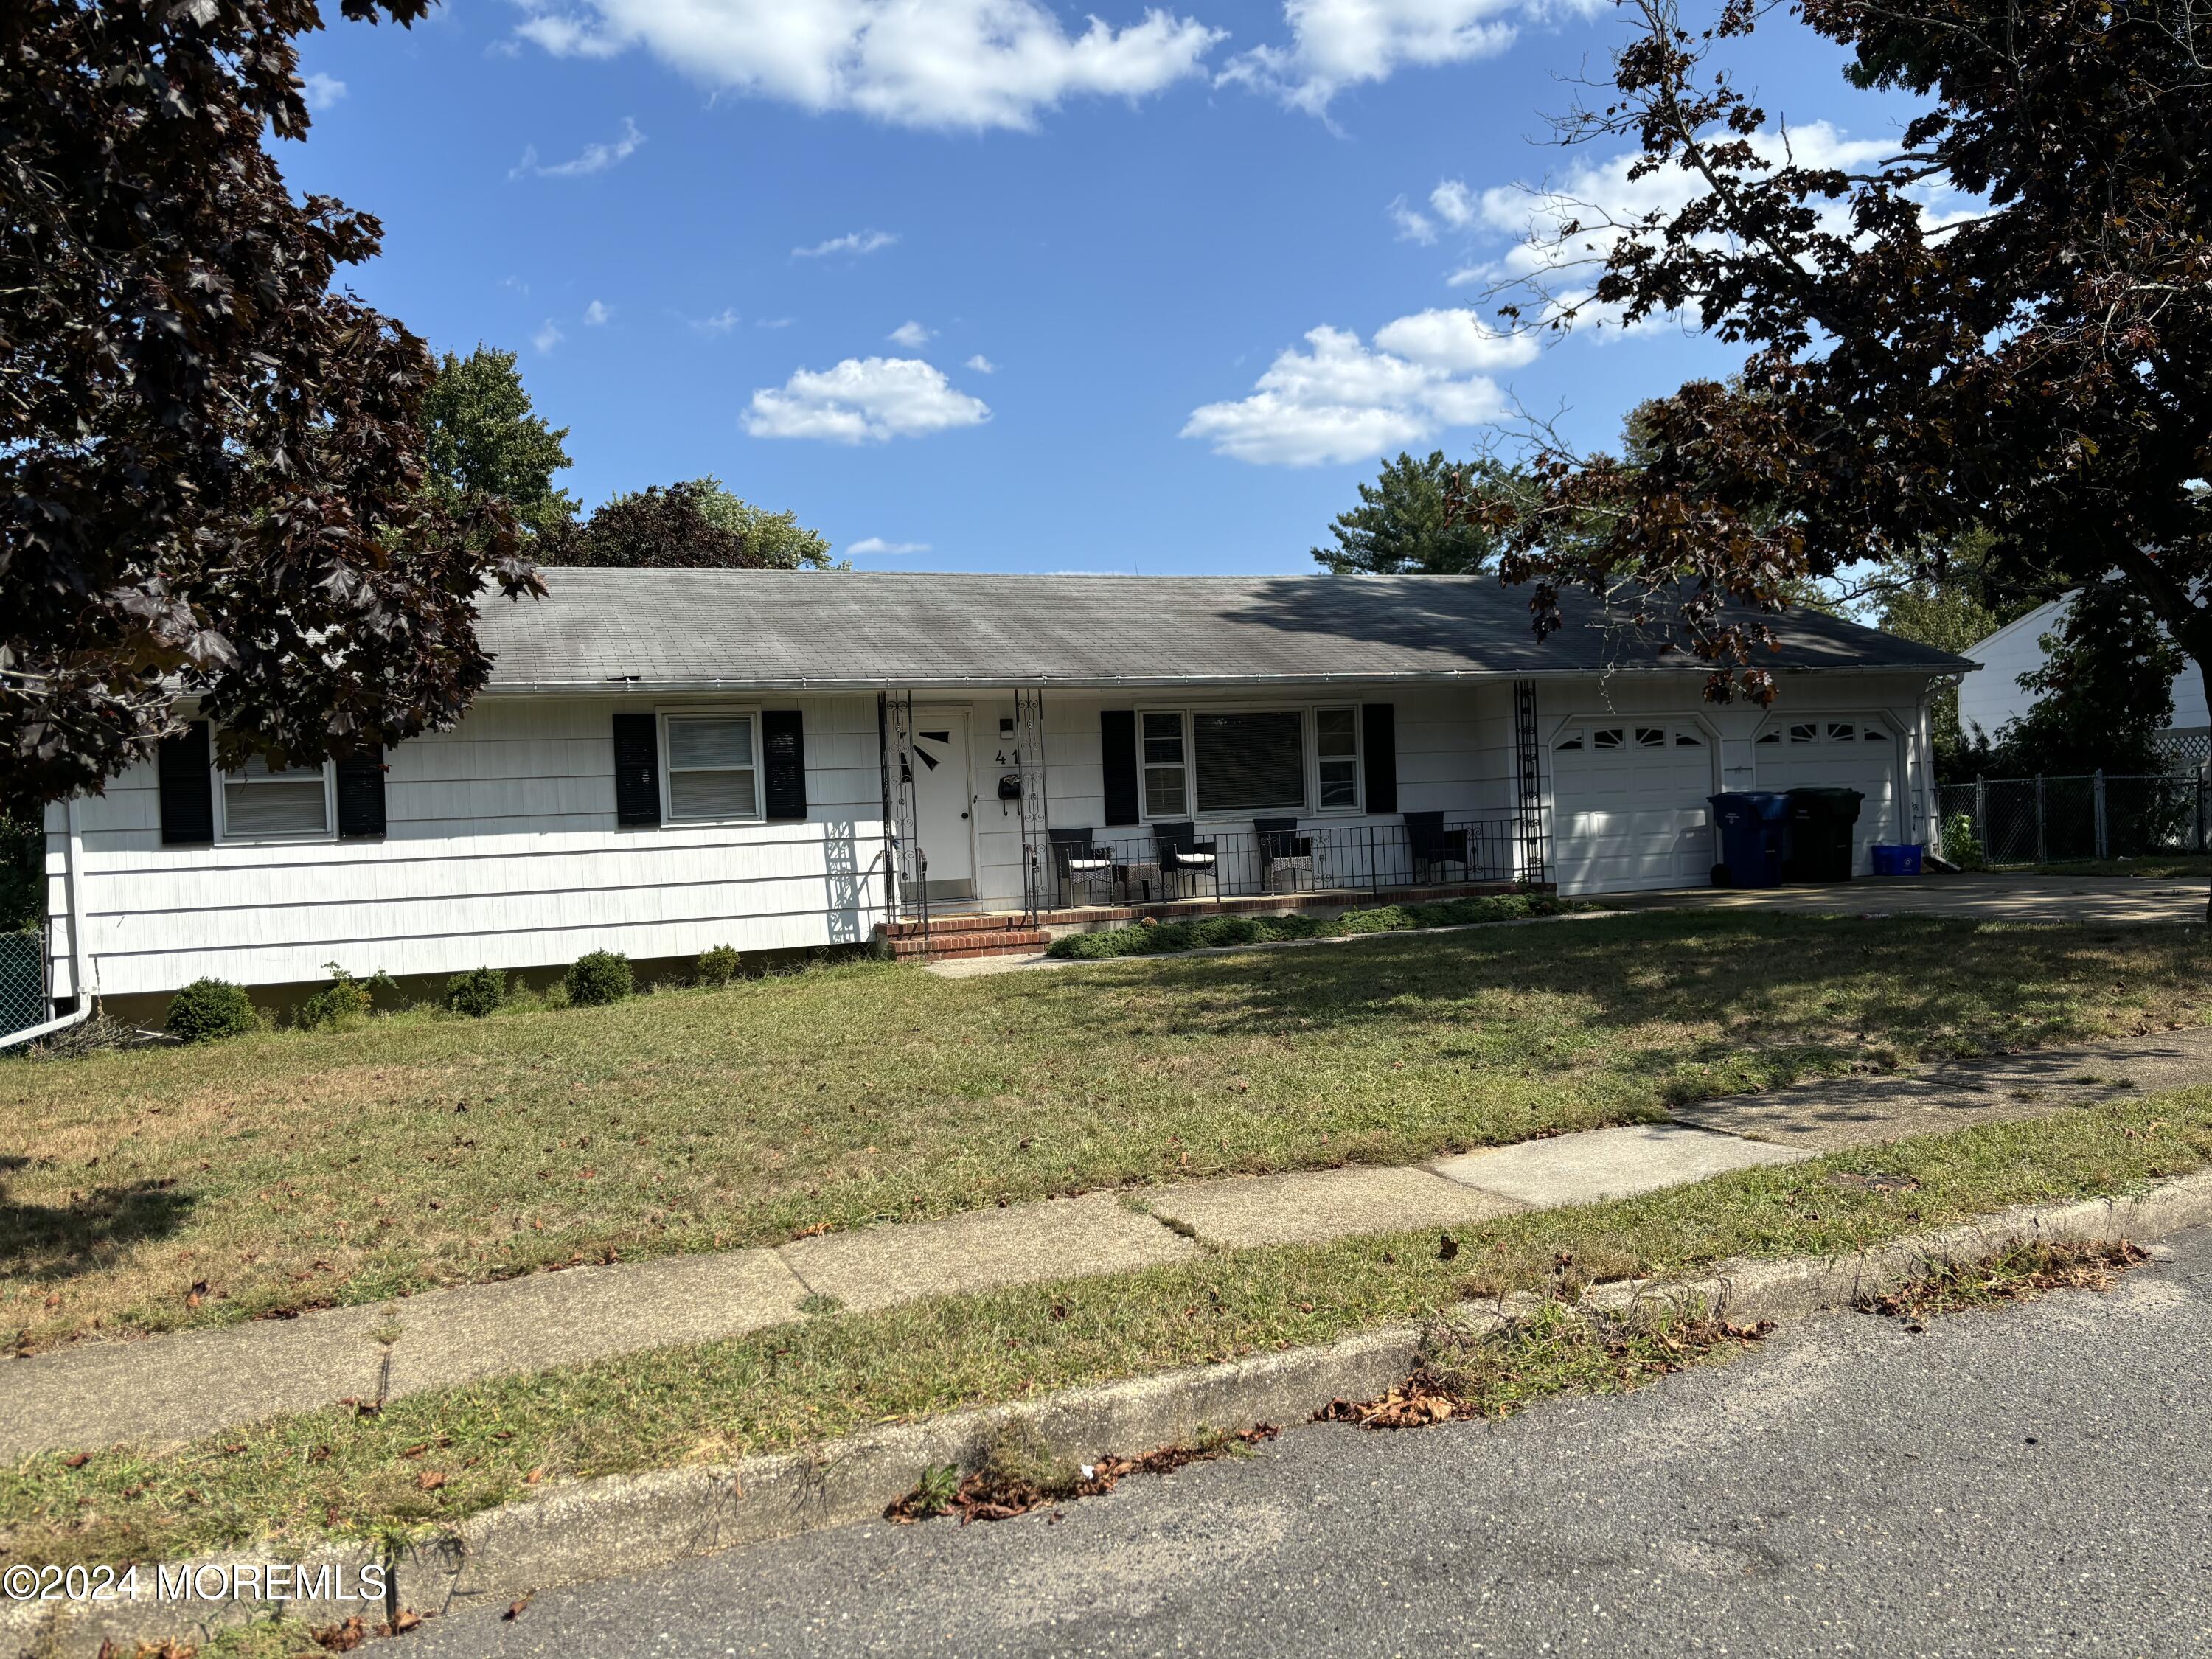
(668,760)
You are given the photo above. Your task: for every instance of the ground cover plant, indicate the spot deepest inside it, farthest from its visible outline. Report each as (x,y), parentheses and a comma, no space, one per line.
(282,1170)
(423,1462)
(1162,939)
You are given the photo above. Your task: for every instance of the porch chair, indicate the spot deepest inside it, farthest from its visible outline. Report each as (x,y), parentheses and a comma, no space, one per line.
(1082,863)
(1429,844)
(1182,855)
(1283,854)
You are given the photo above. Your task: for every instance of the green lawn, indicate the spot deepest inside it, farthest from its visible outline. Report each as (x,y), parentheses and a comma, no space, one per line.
(295,1480)
(154,1190)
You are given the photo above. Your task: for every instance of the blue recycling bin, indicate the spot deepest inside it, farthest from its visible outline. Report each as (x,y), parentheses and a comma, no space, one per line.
(1751,830)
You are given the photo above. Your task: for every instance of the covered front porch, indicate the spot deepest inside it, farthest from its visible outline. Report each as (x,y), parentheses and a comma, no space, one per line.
(1013,815)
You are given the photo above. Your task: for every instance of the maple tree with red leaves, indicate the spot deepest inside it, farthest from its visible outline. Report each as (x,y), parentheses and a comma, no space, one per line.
(2034,368)
(212,459)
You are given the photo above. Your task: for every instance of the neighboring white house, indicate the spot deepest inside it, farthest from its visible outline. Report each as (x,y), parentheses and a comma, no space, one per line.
(1991,697)
(668,760)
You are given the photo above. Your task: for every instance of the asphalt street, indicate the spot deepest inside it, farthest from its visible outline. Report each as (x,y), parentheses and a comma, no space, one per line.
(2034,1480)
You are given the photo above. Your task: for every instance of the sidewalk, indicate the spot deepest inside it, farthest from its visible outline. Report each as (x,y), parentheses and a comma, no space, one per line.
(177,1388)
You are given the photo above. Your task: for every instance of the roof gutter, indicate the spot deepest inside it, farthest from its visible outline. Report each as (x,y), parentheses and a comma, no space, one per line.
(80,958)
(1139,682)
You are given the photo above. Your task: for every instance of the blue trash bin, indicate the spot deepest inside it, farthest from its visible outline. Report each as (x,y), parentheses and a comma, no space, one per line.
(1751,832)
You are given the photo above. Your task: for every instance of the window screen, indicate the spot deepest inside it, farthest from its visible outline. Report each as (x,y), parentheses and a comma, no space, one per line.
(259,802)
(711,769)
(1248,762)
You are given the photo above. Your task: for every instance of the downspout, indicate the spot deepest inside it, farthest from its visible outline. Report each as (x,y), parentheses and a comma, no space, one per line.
(80,958)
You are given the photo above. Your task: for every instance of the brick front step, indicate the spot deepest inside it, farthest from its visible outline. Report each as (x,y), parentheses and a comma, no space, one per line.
(953,943)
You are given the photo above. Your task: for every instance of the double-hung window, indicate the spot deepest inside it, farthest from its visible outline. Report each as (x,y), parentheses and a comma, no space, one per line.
(1336,742)
(713,766)
(260,804)
(1167,784)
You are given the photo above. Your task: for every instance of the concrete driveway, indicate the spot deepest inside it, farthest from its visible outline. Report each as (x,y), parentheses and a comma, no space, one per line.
(2107,899)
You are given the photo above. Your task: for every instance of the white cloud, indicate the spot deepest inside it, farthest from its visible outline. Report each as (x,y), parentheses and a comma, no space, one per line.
(911,335)
(983,365)
(1456,341)
(548,336)
(877,544)
(1335,43)
(720,323)
(863,399)
(776,322)
(1413,224)
(594,158)
(1454,203)
(959,64)
(321,91)
(854,242)
(1342,401)
(597,314)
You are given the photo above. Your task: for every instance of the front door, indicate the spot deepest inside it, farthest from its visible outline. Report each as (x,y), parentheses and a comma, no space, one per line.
(944,784)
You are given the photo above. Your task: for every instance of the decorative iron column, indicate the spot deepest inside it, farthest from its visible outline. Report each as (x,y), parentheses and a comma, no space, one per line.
(1037,873)
(908,858)
(1535,837)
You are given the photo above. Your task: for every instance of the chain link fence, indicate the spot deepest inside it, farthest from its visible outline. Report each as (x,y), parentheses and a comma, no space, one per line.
(1995,822)
(23,981)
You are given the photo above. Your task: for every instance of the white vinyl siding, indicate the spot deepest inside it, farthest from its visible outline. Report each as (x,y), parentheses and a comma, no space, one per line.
(502,850)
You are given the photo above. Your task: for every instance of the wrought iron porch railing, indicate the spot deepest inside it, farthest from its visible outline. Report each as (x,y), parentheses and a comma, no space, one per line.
(1125,868)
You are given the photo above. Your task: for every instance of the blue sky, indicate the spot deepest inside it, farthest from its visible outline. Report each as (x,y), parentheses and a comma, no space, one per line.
(988,282)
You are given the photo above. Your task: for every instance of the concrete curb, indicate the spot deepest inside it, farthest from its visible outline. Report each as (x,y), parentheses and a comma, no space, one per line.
(630,1523)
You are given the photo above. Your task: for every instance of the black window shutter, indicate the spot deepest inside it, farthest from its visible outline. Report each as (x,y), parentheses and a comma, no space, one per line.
(361,793)
(1378,742)
(187,788)
(1117,755)
(783,740)
(637,770)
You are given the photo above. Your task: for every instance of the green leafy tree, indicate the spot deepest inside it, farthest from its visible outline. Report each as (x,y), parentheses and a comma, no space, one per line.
(1945,599)
(483,440)
(694,525)
(1406,525)
(2105,691)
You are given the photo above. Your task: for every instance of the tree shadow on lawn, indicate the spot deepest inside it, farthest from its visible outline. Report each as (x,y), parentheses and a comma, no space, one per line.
(1803,995)
(47,1243)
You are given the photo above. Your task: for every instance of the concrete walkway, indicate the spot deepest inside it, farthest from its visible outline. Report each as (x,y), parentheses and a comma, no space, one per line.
(2095,900)
(164,1389)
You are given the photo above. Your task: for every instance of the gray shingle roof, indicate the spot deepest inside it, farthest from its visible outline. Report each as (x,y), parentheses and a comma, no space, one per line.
(786,630)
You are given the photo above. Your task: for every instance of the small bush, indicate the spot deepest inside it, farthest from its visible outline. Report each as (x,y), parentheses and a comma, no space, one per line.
(1961,845)
(598,977)
(718,966)
(477,992)
(343,1003)
(208,1009)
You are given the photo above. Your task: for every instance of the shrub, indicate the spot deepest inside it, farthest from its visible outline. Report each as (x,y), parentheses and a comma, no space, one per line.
(1961,845)
(718,966)
(1149,940)
(343,1003)
(208,1009)
(476,992)
(598,977)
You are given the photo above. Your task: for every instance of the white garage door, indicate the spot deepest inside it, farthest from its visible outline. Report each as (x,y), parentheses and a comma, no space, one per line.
(1852,752)
(1629,806)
